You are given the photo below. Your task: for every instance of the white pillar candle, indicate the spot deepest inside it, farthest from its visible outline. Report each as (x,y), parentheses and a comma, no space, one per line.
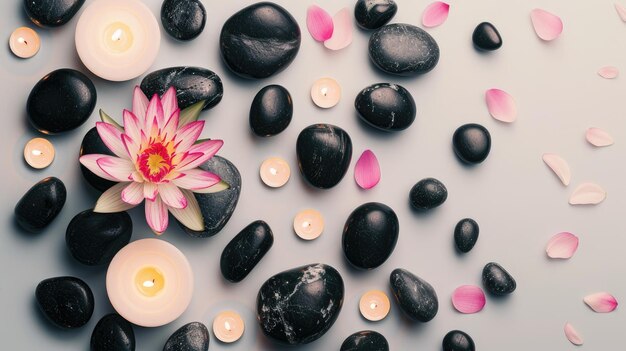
(39,153)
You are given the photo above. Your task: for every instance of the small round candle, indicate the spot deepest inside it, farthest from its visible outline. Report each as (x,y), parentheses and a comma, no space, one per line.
(39,153)
(326,92)
(228,326)
(308,224)
(24,42)
(275,172)
(149,282)
(374,305)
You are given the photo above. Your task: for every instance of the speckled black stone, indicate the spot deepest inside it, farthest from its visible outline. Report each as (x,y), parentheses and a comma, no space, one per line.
(193,84)
(416,297)
(466,234)
(299,305)
(471,143)
(324,153)
(260,40)
(94,238)
(384,106)
(246,249)
(486,37)
(403,49)
(66,301)
(113,333)
(271,111)
(52,13)
(497,280)
(373,14)
(427,194)
(93,144)
(190,337)
(61,101)
(457,340)
(41,204)
(183,19)
(370,235)
(366,340)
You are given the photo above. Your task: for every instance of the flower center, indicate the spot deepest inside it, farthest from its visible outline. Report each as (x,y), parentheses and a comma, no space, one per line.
(155,162)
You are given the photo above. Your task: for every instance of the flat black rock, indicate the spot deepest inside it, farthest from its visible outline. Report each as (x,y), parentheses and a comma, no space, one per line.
(246,249)
(366,340)
(299,305)
(61,101)
(370,235)
(94,238)
(66,301)
(416,297)
(52,13)
(486,37)
(271,111)
(497,280)
(457,340)
(403,49)
(260,40)
(373,14)
(93,144)
(183,19)
(466,234)
(324,153)
(193,84)
(471,143)
(427,194)
(384,106)
(41,204)
(190,337)
(113,332)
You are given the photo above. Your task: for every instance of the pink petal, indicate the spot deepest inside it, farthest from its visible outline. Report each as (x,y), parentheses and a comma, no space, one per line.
(140,104)
(91,162)
(112,138)
(501,105)
(190,216)
(188,135)
(133,193)
(155,112)
(117,168)
(598,137)
(572,335)
(468,299)
(132,148)
(367,170)
(207,149)
(601,302)
(172,196)
(435,14)
(587,194)
(547,26)
(150,190)
(196,179)
(342,32)
(319,23)
(169,130)
(621,11)
(562,245)
(111,200)
(608,72)
(132,126)
(559,166)
(156,215)
(169,102)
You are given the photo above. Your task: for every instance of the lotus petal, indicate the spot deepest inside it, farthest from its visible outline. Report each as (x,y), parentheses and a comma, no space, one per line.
(559,166)
(598,137)
(319,23)
(608,72)
(501,105)
(435,14)
(601,302)
(548,26)
(562,245)
(367,170)
(342,32)
(621,11)
(572,335)
(587,194)
(468,299)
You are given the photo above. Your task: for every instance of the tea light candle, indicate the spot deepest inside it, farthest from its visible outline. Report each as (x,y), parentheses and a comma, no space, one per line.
(39,153)
(117,40)
(275,172)
(228,326)
(374,305)
(308,224)
(326,92)
(149,282)
(24,42)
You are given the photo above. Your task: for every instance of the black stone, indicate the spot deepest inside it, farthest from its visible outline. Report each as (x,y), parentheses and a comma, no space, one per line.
(324,153)
(457,340)
(471,143)
(271,111)
(41,204)
(427,194)
(299,305)
(246,249)
(193,84)
(93,144)
(466,234)
(415,296)
(486,37)
(183,19)
(403,49)
(370,235)
(497,280)
(190,337)
(373,14)
(94,238)
(113,333)
(65,301)
(52,13)
(260,40)
(388,107)
(61,101)
(366,340)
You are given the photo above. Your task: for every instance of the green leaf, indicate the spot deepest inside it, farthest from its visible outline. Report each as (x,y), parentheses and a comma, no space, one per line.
(191,113)
(107,119)
(221,186)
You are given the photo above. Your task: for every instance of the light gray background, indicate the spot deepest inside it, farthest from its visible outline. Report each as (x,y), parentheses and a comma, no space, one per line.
(513,195)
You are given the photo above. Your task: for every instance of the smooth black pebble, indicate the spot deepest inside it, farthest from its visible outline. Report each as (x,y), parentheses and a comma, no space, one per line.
(427,194)
(66,301)
(113,333)
(183,19)
(193,336)
(41,204)
(486,37)
(52,13)
(457,340)
(93,144)
(384,106)
(416,297)
(471,143)
(246,249)
(299,305)
(193,84)
(373,14)
(271,111)
(497,280)
(366,340)
(466,234)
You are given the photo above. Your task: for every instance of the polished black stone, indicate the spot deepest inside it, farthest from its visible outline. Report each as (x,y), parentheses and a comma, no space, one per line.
(471,143)
(457,340)
(366,340)
(61,101)
(190,337)
(66,301)
(403,49)
(193,84)
(271,111)
(373,14)
(183,19)
(260,40)
(41,204)
(324,153)
(416,297)
(497,280)
(52,13)
(486,37)
(427,194)
(385,106)
(466,234)
(370,235)
(93,144)
(246,250)
(299,305)
(113,333)
(94,238)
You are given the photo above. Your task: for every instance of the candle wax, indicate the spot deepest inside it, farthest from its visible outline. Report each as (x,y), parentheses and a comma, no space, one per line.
(228,326)
(374,305)
(24,42)
(326,92)
(308,224)
(39,153)
(275,172)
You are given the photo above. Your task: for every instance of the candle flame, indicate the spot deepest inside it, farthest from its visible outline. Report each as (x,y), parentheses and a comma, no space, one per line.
(373,305)
(22,41)
(148,283)
(228,326)
(324,91)
(274,171)
(37,152)
(117,35)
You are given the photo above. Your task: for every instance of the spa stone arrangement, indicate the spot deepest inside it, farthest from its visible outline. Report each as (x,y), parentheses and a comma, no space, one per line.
(151,155)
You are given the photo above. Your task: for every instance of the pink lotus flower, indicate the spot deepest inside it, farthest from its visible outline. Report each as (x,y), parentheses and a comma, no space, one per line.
(157,154)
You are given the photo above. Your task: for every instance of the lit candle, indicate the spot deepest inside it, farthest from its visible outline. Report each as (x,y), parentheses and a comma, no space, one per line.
(326,92)
(39,153)
(117,40)
(24,42)
(374,305)
(275,172)
(308,224)
(228,326)
(149,282)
